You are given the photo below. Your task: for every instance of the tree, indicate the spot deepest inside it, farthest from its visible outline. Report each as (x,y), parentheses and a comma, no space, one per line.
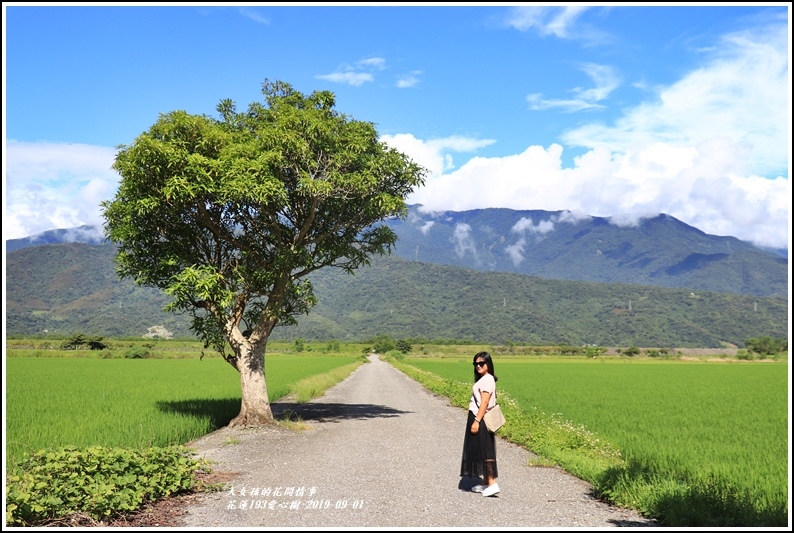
(78,340)
(382,343)
(403,345)
(228,216)
(766,345)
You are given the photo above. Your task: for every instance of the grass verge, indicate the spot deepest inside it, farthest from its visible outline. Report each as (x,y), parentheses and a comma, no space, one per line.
(553,440)
(315,386)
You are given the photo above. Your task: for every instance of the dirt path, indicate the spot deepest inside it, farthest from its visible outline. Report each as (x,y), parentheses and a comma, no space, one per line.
(382,451)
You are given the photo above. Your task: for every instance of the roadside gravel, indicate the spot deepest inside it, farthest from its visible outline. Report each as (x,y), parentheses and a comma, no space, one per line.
(382,451)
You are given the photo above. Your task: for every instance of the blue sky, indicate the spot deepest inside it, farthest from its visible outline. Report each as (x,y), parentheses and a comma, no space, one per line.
(602,110)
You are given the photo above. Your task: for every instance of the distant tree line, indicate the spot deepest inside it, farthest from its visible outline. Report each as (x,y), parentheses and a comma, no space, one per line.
(767,345)
(384,343)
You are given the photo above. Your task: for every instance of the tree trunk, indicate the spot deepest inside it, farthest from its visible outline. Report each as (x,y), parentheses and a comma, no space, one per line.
(255,406)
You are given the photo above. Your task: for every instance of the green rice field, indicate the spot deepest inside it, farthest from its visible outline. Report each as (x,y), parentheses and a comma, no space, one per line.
(709,439)
(698,443)
(54,401)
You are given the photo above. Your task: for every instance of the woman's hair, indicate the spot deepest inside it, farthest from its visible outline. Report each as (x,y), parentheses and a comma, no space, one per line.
(488,361)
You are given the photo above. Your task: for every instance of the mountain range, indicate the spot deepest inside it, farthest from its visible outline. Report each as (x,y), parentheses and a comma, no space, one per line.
(661,251)
(491,275)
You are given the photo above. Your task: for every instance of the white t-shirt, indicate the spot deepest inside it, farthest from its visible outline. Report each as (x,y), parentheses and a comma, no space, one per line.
(485,384)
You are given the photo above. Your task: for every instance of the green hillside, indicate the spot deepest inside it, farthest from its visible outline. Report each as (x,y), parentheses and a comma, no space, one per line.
(66,288)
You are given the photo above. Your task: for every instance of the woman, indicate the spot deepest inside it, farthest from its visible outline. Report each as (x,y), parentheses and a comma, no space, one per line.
(479,444)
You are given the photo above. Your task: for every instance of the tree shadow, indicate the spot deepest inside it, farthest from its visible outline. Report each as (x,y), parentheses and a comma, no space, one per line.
(219,411)
(333,412)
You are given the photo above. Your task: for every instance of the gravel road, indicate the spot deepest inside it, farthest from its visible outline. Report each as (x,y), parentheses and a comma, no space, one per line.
(382,451)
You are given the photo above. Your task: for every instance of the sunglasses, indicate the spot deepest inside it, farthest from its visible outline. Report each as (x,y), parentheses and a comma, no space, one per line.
(480,363)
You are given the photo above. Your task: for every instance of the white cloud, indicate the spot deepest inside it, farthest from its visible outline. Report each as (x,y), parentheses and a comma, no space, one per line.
(538,103)
(463,241)
(606,80)
(572,217)
(357,74)
(694,184)
(50,186)
(411,79)
(253,15)
(561,22)
(525,225)
(423,153)
(426,227)
(516,251)
(556,21)
(377,63)
(351,78)
(743,95)
(434,154)
(92,234)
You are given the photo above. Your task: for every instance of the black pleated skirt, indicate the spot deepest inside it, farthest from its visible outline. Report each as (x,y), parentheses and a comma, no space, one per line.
(479,452)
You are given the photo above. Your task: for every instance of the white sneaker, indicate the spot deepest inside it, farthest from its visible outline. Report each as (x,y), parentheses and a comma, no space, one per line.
(491,490)
(478,488)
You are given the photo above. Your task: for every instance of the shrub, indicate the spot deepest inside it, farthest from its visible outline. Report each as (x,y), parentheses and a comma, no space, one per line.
(396,354)
(137,352)
(99,482)
(404,346)
(383,344)
(594,351)
(96,343)
(78,340)
(631,351)
(766,345)
(299,345)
